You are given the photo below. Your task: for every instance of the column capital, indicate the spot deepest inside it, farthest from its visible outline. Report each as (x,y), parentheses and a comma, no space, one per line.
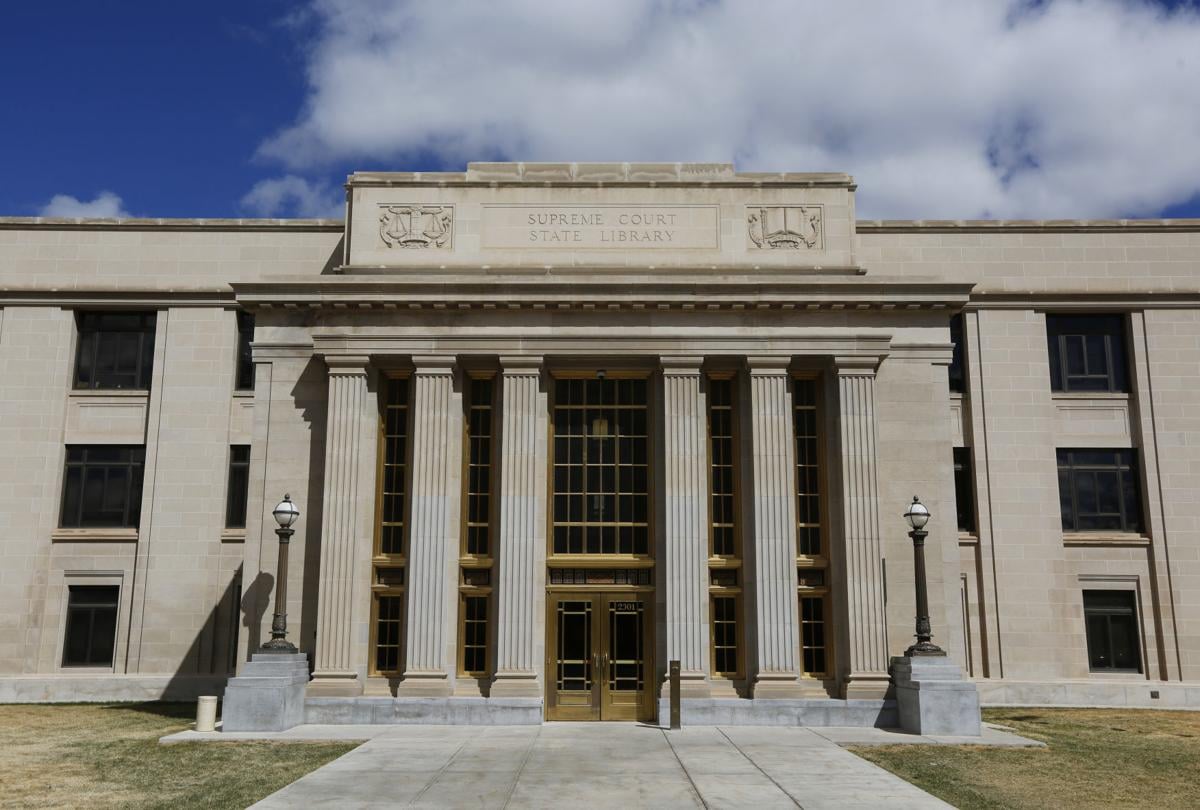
(864,365)
(433,364)
(761,365)
(521,364)
(348,364)
(681,364)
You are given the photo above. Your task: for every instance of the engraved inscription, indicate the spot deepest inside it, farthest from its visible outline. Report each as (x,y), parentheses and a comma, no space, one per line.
(777,227)
(579,227)
(416,226)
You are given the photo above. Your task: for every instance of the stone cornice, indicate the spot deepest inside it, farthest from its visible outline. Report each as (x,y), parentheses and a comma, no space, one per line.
(738,293)
(872,226)
(143,299)
(168,224)
(1083,300)
(594,175)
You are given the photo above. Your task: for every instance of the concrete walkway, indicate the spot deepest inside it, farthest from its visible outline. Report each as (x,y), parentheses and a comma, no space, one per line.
(600,765)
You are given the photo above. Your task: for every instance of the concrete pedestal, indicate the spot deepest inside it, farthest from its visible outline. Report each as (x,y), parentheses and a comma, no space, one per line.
(268,695)
(932,697)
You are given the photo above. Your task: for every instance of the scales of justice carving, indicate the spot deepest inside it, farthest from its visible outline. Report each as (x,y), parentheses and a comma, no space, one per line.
(785,228)
(416,226)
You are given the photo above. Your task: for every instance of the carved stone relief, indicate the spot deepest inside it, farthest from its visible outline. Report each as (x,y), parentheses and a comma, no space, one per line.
(785,227)
(416,226)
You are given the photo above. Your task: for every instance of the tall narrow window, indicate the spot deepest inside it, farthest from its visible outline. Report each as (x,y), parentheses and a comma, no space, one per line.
(388,573)
(808,487)
(958,377)
(91,625)
(245,359)
(479,466)
(1112,632)
(812,560)
(1098,490)
(102,486)
(964,490)
(239,486)
(812,635)
(116,350)
(727,659)
(722,462)
(724,531)
(478,507)
(601,469)
(1087,353)
(474,635)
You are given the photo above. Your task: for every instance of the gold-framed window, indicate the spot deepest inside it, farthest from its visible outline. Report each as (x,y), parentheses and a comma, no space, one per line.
(474,610)
(601,471)
(479,509)
(725,542)
(391,520)
(812,556)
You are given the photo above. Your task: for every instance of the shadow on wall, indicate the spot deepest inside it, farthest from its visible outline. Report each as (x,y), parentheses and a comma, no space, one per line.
(212,657)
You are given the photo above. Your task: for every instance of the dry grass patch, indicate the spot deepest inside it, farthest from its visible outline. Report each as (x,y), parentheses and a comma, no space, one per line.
(100,756)
(1094,758)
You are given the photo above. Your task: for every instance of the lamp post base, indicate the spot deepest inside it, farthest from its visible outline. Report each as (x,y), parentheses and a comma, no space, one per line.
(924,648)
(279,646)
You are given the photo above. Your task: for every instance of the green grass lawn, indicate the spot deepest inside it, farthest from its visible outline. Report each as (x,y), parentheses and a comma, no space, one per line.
(108,755)
(1094,758)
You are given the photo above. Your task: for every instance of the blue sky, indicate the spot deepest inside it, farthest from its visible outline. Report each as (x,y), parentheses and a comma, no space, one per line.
(1060,108)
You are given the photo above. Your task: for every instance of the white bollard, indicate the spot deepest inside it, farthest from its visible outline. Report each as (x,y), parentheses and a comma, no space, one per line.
(206,713)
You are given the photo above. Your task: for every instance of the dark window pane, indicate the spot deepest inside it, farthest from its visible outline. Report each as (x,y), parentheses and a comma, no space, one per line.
(1087,353)
(245,360)
(91,627)
(964,489)
(1110,619)
(102,486)
(958,381)
(115,350)
(239,486)
(1098,490)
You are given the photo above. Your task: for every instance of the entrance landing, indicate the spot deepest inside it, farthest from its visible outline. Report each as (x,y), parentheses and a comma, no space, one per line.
(600,766)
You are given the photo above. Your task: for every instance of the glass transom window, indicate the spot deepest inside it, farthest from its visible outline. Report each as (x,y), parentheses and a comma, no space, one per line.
(601,474)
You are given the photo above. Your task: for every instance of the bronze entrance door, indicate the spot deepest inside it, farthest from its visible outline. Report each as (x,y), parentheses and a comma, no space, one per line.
(598,657)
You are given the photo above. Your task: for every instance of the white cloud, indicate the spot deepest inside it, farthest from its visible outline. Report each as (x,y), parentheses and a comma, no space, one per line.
(106,206)
(294,196)
(940,108)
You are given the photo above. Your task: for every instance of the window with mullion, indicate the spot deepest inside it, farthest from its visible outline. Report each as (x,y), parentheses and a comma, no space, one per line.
(474,612)
(115,351)
(964,490)
(1098,490)
(808,473)
(91,630)
(389,575)
(394,481)
(601,467)
(723,467)
(478,494)
(1087,353)
(102,486)
(1113,638)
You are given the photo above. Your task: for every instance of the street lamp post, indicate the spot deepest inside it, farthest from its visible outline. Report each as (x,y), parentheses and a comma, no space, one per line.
(917,516)
(285,515)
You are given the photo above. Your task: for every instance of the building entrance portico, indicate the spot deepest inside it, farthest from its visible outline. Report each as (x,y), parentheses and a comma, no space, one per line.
(545,481)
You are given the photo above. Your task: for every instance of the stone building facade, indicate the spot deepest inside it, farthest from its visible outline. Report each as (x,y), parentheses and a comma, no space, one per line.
(551,426)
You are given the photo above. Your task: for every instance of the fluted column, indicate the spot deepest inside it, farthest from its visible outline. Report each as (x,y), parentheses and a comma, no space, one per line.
(685,502)
(345,526)
(866,674)
(776,670)
(435,502)
(521,532)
